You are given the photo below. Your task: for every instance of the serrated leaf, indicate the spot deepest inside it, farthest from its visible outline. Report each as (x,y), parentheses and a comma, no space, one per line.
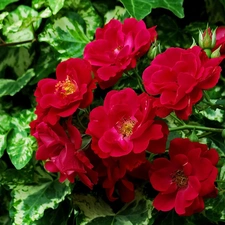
(11,87)
(66,36)
(141,8)
(20,24)
(4,3)
(19,59)
(55,5)
(30,201)
(97,212)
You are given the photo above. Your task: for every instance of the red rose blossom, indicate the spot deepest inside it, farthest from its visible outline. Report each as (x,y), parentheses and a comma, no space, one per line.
(125,124)
(116,48)
(177,78)
(185,179)
(62,153)
(71,89)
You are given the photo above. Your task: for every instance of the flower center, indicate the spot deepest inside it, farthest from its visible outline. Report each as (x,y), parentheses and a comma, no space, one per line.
(66,87)
(180,179)
(125,127)
(117,50)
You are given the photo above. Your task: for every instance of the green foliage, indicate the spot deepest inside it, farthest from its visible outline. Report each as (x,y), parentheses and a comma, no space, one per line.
(95,211)
(4,3)
(35,35)
(141,8)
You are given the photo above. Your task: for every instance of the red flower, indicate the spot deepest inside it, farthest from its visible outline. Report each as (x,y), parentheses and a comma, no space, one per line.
(72,89)
(220,40)
(177,78)
(62,153)
(185,179)
(116,48)
(115,175)
(125,124)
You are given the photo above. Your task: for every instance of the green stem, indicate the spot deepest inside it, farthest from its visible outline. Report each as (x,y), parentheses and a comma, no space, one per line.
(178,120)
(190,127)
(140,83)
(17,43)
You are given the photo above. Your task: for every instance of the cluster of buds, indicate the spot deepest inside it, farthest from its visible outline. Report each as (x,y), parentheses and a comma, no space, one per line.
(207,41)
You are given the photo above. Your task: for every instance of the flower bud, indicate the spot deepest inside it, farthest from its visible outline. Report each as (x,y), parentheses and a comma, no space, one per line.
(207,40)
(216,53)
(154,50)
(208,52)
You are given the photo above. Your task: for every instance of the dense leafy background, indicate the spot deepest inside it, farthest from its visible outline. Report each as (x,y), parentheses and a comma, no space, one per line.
(35,36)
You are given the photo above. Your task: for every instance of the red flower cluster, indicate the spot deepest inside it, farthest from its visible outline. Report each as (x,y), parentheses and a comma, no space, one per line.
(177,79)
(60,146)
(125,127)
(116,48)
(185,179)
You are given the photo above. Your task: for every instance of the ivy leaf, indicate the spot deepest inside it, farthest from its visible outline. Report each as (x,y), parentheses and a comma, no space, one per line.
(5,120)
(46,63)
(58,216)
(55,5)
(4,3)
(11,87)
(30,201)
(66,35)
(20,24)
(96,211)
(20,148)
(19,59)
(21,145)
(141,8)
(85,9)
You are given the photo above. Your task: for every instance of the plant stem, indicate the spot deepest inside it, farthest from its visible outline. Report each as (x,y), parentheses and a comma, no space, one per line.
(211,104)
(140,83)
(190,127)
(178,120)
(16,43)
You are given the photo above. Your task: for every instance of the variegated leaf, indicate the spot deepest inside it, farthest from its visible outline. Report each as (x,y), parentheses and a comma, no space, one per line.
(30,201)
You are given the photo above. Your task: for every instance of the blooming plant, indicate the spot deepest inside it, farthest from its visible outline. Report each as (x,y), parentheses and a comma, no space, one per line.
(114,117)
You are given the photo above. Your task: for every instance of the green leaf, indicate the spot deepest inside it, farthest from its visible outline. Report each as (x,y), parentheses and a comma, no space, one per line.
(141,8)
(57,216)
(21,24)
(20,148)
(46,63)
(30,201)
(11,87)
(55,5)
(85,9)
(4,3)
(2,16)
(21,145)
(19,59)
(5,121)
(118,13)
(66,35)
(96,211)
